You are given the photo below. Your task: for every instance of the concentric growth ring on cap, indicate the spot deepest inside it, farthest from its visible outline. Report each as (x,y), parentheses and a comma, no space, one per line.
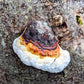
(40,43)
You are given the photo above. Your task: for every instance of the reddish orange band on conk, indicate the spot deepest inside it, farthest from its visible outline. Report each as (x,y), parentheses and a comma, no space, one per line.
(41,52)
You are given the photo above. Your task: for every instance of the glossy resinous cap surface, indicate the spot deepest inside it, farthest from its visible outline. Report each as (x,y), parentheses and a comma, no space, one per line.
(40,34)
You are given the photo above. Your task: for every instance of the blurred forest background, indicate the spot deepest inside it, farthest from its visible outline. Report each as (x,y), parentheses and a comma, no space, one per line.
(14,16)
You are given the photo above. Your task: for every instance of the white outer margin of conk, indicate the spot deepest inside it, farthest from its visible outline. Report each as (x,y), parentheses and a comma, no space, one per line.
(47,63)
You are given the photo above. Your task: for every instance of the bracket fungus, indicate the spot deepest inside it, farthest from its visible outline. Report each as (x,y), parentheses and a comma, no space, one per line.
(38,47)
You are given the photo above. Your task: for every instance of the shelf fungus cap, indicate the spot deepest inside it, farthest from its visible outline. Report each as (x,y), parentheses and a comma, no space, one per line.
(38,47)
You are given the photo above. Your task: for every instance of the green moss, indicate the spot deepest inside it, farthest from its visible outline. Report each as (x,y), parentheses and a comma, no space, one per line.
(26,17)
(79,20)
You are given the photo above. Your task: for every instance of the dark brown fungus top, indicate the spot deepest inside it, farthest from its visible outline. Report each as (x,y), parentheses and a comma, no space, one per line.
(40,34)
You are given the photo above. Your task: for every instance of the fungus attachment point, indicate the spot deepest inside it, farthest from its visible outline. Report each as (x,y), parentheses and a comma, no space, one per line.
(37,47)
